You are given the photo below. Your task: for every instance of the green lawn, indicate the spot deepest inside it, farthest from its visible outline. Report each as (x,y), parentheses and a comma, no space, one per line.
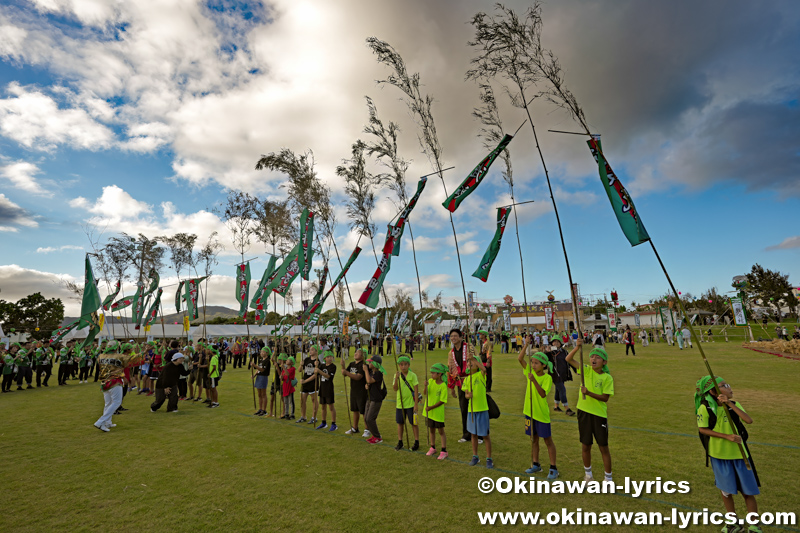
(226,470)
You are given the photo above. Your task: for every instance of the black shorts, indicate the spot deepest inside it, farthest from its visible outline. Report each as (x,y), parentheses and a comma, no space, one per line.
(358,401)
(154,374)
(309,388)
(433,424)
(592,426)
(326,398)
(213,382)
(409,415)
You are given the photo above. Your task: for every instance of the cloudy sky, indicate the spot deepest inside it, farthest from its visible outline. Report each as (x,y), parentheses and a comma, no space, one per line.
(138,116)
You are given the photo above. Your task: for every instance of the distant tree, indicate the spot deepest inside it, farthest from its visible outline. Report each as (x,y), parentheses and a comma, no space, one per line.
(32,312)
(771,289)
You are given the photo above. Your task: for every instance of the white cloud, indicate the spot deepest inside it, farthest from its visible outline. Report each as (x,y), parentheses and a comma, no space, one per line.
(22,176)
(438,244)
(50,249)
(34,120)
(12,215)
(787,244)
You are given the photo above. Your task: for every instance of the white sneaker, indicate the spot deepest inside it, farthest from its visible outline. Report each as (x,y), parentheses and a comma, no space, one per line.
(351,431)
(462,440)
(588,477)
(480,441)
(366,434)
(102,428)
(111,426)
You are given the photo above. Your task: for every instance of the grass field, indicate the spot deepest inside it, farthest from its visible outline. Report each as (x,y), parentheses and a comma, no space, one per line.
(226,470)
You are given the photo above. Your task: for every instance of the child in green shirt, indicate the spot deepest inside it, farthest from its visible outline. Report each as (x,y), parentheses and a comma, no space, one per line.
(406,385)
(535,409)
(597,389)
(436,396)
(731,474)
(474,388)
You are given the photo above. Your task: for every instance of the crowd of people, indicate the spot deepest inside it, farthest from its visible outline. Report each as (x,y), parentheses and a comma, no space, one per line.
(178,371)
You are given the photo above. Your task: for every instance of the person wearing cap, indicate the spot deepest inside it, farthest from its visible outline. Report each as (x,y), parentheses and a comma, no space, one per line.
(486,356)
(538,382)
(326,396)
(289,381)
(358,393)
(561,374)
(9,365)
(406,385)
(373,375)
(112,371)
(435,399)
(597,389)
(628,339)
(474,388)
(262,368)
(167,383)
(310,385)
(44,364)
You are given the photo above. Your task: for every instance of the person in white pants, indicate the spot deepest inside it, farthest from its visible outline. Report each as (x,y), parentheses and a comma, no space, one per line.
(687,337)
(112,374)
(668,333)
(643,335)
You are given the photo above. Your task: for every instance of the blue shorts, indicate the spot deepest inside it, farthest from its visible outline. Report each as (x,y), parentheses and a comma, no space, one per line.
(145,369)
(540,429)
(478,423)
(262,382)
(732,476)
(409,412)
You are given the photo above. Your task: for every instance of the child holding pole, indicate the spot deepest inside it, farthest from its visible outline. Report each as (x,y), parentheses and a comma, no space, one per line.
(406,385)
(597,389)
(474,388)
(436,394)
(535,409)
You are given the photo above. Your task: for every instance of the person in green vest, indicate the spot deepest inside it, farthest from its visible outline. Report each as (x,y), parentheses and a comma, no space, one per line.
(84,362)
(64,360)
(23,362)
(8,367)
(44,364)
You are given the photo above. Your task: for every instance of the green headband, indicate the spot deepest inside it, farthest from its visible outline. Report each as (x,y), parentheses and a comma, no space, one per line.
(316,347)
(702,391)
(439,368)
(377,365)
(542,358)
(484,332)
(290,360)
(267,350)
(404,359)
(600,352)
(126,347)
(283,357)
(327,353)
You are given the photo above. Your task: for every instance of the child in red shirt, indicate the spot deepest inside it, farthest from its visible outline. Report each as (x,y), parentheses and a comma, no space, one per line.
(288,382)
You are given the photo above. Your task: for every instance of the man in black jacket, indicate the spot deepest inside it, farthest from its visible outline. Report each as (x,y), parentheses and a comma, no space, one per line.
(167,383)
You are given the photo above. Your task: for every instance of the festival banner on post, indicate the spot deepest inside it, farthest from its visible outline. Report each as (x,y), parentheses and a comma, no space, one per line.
(138,304)
(475,177)
(387,318)
(155,279)
(399,227)
(371,294)
(548,317)
(62,331)
(638,320)
(242,286)
(191,287)
(482,273)
(306,242)
(259,296)
(152,313)
(739,316)
(373,324)
(179,297)
(620,199)
(283,277)
(110,298)
(612,318)
(506,319)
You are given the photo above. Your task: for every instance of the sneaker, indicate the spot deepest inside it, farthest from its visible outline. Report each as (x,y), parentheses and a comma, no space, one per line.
(462,440)
(371,440)
(553,474)
(215,404)
(195,400)
(351,431)
(489,463)
(173,411)
(533,469)
(334,427)
(442,455)
(377,441)
(122,408)
(398,447)
(133,388)
(480,441)
(111,426)
(570,412)
(432,451)
(29,387)
(291,417)
(322,425)
(300,420)
(284,417)
(366,434)
(257,413)
(150,393)
(102,428)
(312,421)
(204,401)
(557,408)
(474,461)
(415,447)
(588,477)
(152,410)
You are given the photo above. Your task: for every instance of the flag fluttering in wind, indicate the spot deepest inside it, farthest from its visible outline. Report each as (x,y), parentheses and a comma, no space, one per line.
(371,294)
(178,297)
(121,304)
(110,298)
(152,313)
(62,331)
(190,295)
(620,199)
(475,177)
(400,226)
(306,242)
(138,304)
(284,275)
(482,273)
(341,275)
(155,279)
(91,297)
(258,296)
(242,286)
(320,291)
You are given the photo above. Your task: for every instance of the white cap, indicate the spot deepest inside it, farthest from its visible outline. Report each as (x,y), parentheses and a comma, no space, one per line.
(177,356)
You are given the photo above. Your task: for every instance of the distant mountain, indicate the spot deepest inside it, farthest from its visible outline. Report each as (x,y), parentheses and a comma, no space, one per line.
(211,312)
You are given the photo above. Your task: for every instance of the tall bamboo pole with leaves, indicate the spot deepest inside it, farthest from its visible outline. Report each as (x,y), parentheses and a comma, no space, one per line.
(505,46)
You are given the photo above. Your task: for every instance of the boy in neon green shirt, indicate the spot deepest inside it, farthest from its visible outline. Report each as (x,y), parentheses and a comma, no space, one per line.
(406,385)
(597,389)
(535,409)
(436,397)
(474,388)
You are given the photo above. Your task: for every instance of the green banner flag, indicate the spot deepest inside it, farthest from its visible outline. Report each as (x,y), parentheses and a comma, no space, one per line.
(138,304)
(242,286)
(121,304)
(315,303)
(155,279)
(178,297)
(152,313)
(475,177)
(191,287)
(620,199)
(372,292)
(284,275)
(306,242)
(341,275)
(482,273)
(258,296)
(62,331)
(110,298)
(91,297)
(400,225)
